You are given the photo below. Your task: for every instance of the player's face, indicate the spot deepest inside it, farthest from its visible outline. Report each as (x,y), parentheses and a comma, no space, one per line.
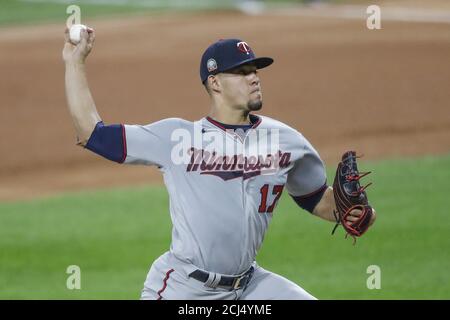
(241,88)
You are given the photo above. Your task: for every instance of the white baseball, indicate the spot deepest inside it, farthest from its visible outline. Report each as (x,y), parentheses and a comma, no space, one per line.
(75,32)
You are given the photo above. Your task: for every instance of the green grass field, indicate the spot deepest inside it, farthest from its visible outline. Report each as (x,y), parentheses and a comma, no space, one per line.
(36,11)
(114,236)
(23,12)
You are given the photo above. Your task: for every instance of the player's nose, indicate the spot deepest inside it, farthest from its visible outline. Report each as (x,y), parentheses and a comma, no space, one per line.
(254,79)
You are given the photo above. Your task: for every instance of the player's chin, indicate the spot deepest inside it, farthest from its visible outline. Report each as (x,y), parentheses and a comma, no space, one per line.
(254,105)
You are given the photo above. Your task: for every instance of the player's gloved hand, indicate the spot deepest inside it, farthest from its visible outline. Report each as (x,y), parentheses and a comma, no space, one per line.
(352,206)
(355,216)
(77,54)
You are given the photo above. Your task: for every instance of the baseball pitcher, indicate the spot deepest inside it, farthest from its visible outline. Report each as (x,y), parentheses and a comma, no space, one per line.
(224,174)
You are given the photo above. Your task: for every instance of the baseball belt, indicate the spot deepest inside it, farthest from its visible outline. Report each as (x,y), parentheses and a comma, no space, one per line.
(214,280)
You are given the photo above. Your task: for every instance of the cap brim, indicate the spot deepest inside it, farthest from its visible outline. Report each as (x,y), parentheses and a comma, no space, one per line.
(260,62)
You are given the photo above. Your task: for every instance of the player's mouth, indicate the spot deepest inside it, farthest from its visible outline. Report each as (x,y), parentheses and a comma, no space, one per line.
(256,92)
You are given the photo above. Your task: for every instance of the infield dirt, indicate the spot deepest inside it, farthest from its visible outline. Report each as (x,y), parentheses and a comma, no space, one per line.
(383,92)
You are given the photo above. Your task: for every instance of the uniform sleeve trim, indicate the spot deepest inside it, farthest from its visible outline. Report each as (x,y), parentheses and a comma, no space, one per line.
(124,139)
(108,141)
(309,201)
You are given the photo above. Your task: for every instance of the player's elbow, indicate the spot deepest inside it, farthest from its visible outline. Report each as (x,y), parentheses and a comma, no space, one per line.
(83,136)
(84,131)
(82,142)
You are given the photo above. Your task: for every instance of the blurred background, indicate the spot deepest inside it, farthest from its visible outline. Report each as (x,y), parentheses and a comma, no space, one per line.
(384,93)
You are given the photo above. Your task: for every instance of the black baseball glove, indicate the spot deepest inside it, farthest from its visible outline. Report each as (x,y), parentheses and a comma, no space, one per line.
(349,196)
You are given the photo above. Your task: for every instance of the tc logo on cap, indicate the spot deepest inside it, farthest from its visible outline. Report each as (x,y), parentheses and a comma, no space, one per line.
(244,47)
(211,64)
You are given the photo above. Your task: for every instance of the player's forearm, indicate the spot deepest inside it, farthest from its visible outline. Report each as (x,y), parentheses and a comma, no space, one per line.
(324,209)
(80,102)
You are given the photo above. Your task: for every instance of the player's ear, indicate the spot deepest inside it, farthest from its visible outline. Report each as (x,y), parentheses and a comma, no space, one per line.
(213,84)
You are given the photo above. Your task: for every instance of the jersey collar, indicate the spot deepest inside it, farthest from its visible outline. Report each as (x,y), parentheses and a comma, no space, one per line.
(254,119)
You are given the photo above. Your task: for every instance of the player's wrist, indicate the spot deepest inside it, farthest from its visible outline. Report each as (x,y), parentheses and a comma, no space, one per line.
(75,63)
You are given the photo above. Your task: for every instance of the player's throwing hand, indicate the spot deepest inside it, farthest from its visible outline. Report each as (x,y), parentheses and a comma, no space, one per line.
(78,53)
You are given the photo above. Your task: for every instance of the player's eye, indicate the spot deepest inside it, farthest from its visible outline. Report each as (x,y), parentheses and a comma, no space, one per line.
(243,71)
(248,71)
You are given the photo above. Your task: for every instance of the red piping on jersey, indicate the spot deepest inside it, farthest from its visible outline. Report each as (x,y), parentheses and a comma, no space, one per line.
(257,122)
(164,283)
(314,192)
(124,140)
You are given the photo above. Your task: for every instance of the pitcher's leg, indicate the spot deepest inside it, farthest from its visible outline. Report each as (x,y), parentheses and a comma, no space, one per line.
(167,280)
(158,279)
(266,285)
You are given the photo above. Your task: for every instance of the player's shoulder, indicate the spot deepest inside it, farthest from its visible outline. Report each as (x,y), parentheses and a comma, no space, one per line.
(173,121)
(287,134)
(164,127)
(270,123)
(170,123)
(179,122)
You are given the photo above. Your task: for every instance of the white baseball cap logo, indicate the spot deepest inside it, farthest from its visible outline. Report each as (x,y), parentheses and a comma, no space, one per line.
(244,47)
(211,64)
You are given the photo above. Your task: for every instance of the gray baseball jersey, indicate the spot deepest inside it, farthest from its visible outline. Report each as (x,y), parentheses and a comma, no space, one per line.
(224,185)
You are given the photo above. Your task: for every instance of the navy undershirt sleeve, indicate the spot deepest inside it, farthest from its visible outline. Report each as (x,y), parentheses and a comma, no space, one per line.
(310,201)
(108,141)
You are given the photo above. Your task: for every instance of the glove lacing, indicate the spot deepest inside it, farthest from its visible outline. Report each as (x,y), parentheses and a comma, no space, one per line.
(353,176)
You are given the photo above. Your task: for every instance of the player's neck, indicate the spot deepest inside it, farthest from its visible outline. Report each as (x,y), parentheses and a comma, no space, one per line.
(233,117)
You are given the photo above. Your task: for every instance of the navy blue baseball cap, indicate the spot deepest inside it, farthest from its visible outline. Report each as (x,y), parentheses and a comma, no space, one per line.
(227,54)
